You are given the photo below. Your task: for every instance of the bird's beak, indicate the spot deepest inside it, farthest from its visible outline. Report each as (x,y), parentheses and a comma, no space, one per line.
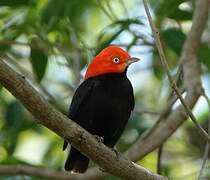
(132,60)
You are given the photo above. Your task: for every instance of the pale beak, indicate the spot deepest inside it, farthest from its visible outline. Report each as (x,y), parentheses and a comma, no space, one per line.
(132,60)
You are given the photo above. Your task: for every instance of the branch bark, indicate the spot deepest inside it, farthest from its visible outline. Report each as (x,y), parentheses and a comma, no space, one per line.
(64,127)
(191,69)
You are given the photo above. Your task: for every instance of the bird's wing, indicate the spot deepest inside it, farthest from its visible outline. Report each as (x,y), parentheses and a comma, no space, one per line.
(132,101)
(125,112)
(81,96)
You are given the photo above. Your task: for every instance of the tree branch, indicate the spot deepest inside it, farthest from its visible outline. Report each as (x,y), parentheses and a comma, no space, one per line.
(192,84)
(171,80)
(191,70)
(20,169)
(67,129)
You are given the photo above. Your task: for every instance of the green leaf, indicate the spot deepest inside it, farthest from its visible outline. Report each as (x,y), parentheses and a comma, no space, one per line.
(204,55)
(4,47)
(181,15)
(126,22)
(13,160)
(55,11)
(14,115)
(39,63)
(14,2)
(174,38)
(13,125)
(10,35)
(168,7)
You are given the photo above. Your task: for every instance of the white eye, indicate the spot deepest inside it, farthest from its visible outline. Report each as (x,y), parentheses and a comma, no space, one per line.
(116,60)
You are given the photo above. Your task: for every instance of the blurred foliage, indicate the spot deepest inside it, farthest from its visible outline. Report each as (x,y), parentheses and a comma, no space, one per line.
(51,42)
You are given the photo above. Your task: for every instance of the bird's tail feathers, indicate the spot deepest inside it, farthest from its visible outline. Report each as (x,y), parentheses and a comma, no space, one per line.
(76,162)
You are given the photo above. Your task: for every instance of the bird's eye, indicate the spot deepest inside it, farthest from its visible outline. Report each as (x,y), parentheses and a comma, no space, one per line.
(116,60)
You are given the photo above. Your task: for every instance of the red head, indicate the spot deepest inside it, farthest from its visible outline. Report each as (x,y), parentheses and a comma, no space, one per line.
(110,60)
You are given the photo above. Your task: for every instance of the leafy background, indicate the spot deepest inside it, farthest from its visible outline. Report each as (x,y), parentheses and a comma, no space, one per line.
(51,42)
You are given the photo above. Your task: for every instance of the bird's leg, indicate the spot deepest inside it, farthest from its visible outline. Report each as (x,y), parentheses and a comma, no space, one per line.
(99,138)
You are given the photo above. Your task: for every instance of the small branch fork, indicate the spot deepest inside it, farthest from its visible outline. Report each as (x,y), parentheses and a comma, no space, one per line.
(167,70)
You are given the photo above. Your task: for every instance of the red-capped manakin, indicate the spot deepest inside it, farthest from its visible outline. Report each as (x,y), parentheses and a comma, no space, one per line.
(102,104)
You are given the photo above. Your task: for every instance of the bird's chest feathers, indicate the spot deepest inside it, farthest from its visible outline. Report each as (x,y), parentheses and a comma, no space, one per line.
(112,94)
(112,89)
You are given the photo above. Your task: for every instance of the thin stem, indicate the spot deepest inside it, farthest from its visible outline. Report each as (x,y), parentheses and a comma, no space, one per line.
(207,147)
(167,70)
(159,162)
(144,111)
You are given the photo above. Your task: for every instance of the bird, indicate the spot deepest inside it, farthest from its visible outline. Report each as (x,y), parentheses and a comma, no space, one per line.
(103,102)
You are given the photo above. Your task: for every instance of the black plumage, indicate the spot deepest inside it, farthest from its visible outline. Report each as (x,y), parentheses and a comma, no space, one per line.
(102,105)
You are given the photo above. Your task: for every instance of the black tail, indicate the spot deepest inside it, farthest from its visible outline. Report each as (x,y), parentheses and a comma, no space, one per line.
(76,161)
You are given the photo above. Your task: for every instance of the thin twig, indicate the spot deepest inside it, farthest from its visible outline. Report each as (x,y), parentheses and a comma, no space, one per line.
(177,78)
(159,163)
(167,70)
(144,111)
(207,147)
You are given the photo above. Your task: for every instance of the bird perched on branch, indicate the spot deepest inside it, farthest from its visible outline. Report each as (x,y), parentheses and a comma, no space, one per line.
(102,104)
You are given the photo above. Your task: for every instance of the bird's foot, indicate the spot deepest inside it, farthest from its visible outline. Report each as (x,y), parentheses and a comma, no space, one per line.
(118,154)
(65,144)
(102,170)
(99,138)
